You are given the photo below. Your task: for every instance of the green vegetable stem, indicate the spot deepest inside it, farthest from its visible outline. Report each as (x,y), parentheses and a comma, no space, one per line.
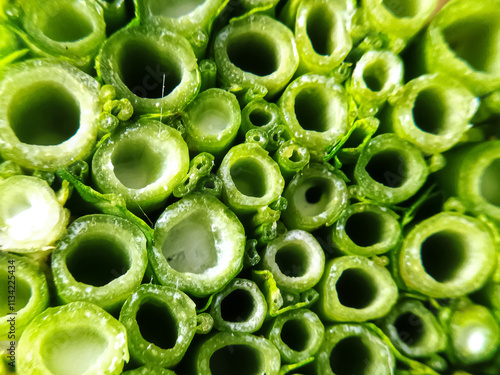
(256,51)
(198,245)
(101,259)
(239,307)
(291,157)
(316,196)
(48,116)
(31,294)
(212,121)
(298,335)
(446,256)
(161,322)
(355,289)
(366,229)
(296,261)
(73,339)
(153,68)
(224,352)
(142,162)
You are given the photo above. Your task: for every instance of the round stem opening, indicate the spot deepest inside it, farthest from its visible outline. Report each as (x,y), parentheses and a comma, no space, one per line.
(410,328)
(320,29)
(44,113)
(292,261)
(146,71)
(249,177)
(136,165)
(429,111)
(260,117)
(212,117)
(489,183)
(295,334)
(190,245)
(443,255)
(157,324)
(253,53)
(237,306)
(312,109)
(388,168)
(242,357)
(67,24)
(97,261)
(356,288)
(365,228)
(375,75)
(350,357)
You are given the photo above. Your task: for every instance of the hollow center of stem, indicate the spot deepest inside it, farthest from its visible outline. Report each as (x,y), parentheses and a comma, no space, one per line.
(173,8)
(98,261)
(475,40)
(410,328)
(313,196)
(249,177)
(67,24)
(350,357)
(241,357)
(296,157)
(388,168)
(375,75)
(365,228)
(402,8)
(237,306)
(321,29)
(260,117)
(157,324)
(313,110)
(147,71)
(73,351)
(443,255)
(356,288)
(136,164)
(189,246)
(490,180)
(292,260)
(211,117)
(22,292)
(295,334)
(44,113)
(429,111)
(253,53)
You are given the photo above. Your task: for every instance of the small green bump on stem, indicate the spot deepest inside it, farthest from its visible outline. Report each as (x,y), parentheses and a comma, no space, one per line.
(205,323)
(366,229)
(161,322)
(101,259)
(251,178)
(31,217)
(199,245)
(31,294)
(73,338)
(142,162)
(258,136)
(239,307)
(390,170)
(298,335)
(296,261)
(259,114)
(316,112)
(247,55)
(154,69)
(10,168)
(199,167)
(316,196)
(291,157)
(446,256)
(212,121)
(355,289)
(208,74)
(225,351)
(414,329)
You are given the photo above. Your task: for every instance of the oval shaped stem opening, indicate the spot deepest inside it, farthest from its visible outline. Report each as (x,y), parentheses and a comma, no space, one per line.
(292,261)
(365,228)
(157,324)
(295,334)
(248,177)
(429,111)
(388,168)
(320,28)
(350,357)
(356,288)
(242,357)
(237,306)
(67,24)
(410,328)
(253,53)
